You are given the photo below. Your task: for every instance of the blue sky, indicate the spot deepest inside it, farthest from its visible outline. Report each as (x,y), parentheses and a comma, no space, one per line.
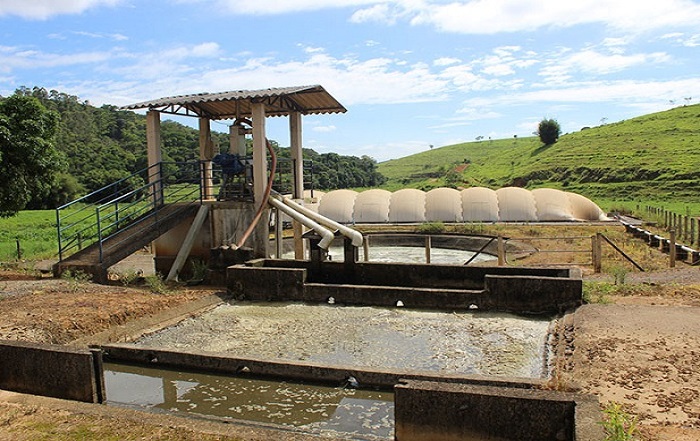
(412,73)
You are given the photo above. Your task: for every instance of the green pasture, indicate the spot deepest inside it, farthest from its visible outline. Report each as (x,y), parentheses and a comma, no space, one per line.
(36,233)
(654,157)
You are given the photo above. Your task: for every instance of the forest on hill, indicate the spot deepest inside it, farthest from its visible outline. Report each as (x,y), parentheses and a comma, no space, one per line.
(100,145)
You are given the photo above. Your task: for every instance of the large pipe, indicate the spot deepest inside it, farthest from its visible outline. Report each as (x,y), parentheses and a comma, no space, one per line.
(353,235)
(326,234)
(266,196)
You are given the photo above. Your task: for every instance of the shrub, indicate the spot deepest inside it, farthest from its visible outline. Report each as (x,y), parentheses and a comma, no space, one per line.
(548,131)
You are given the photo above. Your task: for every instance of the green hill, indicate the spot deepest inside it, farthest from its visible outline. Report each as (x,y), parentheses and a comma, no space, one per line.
(654,157)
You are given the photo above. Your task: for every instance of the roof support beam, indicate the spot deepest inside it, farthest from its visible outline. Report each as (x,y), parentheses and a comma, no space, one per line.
(295,145)
(206,152)
(297,155)
(259,153)
(154,154)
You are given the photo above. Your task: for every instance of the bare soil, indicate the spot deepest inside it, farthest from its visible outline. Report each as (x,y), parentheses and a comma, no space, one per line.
(639,347)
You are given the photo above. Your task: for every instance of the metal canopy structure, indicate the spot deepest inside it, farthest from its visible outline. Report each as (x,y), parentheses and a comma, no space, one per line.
(281,101)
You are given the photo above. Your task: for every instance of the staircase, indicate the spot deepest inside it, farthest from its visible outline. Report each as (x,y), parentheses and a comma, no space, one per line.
(106,226)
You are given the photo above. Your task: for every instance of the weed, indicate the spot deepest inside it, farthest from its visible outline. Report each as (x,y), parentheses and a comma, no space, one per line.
(156,284)
(473,228)
(75,279)
(431,228)
(199,269)
(129,277)
(597,292)
(619,272)
(618,424)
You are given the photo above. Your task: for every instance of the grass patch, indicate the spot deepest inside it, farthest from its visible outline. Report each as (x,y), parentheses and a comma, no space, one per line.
(598,292)
(431,228)
(76,280)
(618,424)
(156,284)
(652,159)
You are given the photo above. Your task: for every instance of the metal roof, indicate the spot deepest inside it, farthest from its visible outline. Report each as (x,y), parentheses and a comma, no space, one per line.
(278,101)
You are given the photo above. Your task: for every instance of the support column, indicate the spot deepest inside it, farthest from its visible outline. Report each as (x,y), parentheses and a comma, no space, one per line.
(206,152)
(295,141)
(295,137)
(154,155)
(261,235)
(259,153)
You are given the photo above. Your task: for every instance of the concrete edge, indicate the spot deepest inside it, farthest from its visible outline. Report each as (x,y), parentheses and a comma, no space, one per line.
(229,428)
(301,371)
(135,329)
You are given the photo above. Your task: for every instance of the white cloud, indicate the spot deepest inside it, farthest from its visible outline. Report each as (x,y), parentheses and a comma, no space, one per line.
(623,92)
(324,129)
(592,62)
(377,13)
(16,58)
(209,49)
(44,9)
(683,39)
(389,150)
(446,61)
(272,7)
(492,16)
(496,16)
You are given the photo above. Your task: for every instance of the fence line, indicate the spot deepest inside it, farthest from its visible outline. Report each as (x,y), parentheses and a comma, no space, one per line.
(687,227)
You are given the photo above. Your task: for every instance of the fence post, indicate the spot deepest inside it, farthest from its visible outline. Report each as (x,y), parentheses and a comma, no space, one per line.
(692,231)
(685,227)
(596,253)
(501,251)
(365,248)
(672,249)
(19,250)
(428,244)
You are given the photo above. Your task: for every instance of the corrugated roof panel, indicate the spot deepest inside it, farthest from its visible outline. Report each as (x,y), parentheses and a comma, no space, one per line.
(226,105)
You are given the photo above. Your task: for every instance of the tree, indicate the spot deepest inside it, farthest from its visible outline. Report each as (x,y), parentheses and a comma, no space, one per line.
(28,157)
(549,131)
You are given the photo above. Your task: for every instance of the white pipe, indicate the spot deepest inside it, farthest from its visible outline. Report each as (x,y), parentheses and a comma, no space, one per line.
(354,235)
(326,234)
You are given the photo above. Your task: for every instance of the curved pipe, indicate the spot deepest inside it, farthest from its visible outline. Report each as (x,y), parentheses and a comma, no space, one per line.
(263,204)
(353,235)
(326,234)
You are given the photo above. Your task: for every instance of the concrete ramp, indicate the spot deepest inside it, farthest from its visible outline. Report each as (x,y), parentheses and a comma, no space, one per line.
(98,257)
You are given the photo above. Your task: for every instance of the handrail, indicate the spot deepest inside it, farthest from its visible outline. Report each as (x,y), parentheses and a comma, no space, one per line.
(101,214)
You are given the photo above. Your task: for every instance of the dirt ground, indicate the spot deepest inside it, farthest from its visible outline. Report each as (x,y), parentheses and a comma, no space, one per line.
(639,347)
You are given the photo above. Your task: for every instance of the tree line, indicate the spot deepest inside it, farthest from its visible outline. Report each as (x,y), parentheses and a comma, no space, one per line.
(55,147)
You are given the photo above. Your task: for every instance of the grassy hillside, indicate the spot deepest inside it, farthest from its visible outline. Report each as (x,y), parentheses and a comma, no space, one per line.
(654,157)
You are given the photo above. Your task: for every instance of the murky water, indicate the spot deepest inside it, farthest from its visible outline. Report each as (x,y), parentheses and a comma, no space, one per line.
(464,342)
(408,254)
(311,408)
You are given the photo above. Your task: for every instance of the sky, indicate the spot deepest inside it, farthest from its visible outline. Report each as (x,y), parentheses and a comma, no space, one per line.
(413,74)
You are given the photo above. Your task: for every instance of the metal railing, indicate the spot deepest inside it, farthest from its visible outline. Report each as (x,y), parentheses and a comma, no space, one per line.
(239,187)
(100,215)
